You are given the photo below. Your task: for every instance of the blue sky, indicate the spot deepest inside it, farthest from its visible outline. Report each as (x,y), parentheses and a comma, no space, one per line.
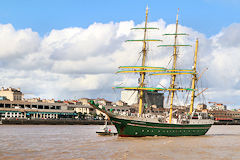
(71,48)
(206,16)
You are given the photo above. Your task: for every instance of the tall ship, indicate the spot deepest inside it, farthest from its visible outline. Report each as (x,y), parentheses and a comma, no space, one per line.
(173,123)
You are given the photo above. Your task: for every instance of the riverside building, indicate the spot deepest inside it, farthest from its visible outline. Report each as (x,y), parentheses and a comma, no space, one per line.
(11,94)
(12,105)
(22,109)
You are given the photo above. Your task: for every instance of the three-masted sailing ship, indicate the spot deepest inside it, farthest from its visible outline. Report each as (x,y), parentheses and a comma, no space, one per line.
(137,126)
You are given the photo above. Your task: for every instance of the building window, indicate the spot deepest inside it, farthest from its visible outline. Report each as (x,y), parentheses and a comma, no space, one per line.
(52,107)
(28,106)
(34,106)
(40,107)
(46,107)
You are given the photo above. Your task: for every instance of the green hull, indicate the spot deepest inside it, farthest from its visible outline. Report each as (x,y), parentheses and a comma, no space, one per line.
(132,128)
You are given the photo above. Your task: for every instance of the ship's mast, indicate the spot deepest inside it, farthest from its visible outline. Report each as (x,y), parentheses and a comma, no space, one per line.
(194,79)
(143,69)
(142,74)
(174,67)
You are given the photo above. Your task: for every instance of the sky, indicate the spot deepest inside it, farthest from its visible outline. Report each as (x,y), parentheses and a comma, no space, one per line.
(68,49)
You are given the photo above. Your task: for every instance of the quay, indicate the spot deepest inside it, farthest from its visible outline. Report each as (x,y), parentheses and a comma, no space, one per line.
(51,122)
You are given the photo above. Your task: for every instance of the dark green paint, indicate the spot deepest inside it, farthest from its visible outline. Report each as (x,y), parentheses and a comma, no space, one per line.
(126,130)
(133,128)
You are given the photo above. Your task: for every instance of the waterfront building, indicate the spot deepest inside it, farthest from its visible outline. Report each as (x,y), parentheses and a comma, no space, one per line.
(84,101)
(121,110)
(218,106)
(33,100)
(103,102)
(14,106)
(201,106)
(23,109)
(11,94)
(154,99)
(120,103)
(83,109)
(225,115)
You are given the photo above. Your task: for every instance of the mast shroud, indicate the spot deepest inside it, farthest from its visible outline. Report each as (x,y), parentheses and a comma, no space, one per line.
(194,79)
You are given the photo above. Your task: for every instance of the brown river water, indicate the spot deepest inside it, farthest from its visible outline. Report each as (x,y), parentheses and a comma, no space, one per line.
(80,142)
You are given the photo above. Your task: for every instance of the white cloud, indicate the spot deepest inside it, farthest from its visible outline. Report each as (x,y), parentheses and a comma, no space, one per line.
(17,44)
(78,62)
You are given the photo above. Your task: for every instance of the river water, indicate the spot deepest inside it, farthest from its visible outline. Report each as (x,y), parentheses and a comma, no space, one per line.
(80,142)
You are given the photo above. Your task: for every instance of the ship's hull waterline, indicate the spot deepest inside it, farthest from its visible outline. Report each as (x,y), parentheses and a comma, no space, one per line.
(127,127)
(132,128)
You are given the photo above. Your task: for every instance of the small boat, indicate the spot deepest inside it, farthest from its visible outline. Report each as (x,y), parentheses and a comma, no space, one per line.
(104,131)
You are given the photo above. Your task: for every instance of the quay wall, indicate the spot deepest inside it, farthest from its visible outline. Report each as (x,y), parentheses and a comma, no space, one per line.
(226,123)
(51,122)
